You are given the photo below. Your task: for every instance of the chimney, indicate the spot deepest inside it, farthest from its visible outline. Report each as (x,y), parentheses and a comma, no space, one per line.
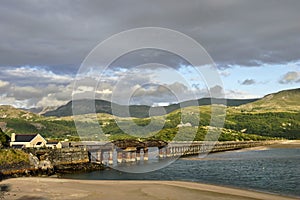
(13,137)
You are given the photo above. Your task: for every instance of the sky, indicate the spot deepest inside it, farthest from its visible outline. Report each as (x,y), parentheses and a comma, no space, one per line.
(254,46)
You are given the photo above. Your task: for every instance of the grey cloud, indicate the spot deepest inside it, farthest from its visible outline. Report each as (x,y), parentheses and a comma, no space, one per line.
(28,96)
(174,92)
(216,92)
(248,82)
(55,36)
(290,77)
(24,93)
(148,55)
(4,86)
(61,33)
(171,93)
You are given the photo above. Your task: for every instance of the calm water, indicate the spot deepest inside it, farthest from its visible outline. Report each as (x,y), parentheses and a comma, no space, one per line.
(270,170)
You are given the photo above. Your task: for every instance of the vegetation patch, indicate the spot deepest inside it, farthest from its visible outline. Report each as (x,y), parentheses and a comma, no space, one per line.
(13,156)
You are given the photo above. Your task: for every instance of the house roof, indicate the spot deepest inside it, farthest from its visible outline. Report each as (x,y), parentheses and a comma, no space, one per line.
(24,138)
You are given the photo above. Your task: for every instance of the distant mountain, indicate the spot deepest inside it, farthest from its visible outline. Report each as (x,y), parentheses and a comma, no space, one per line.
(47,109)
(286,100)
(33,110)
(40,110)
(86,106)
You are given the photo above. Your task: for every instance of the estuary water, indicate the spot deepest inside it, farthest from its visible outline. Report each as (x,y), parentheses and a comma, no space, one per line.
(272,170)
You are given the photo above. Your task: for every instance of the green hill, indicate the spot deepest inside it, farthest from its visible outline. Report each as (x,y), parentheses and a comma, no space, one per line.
(283,101)
(13,120)
(276,115)
(11,112)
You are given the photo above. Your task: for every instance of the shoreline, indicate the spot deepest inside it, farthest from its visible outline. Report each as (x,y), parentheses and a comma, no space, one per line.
(25,187)
(54,188)
(280,144)
(85,167)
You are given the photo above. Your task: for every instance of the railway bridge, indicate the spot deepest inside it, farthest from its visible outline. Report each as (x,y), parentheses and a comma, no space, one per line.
(125,151)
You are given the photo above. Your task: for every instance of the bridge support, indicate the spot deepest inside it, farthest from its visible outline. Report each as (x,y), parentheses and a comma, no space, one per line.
(146,155)
(168,152)
(110,158)
(162,152)
(138,154)
(119,156)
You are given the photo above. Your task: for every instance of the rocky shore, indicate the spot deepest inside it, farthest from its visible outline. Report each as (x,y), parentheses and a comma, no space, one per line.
(20,170)
(50,162)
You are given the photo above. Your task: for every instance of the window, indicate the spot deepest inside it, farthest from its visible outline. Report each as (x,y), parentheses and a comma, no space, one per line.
(39,143)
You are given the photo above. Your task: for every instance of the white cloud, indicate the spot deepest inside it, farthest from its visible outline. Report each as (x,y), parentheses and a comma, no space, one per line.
(50,101)
(33,75)
(105,91)
(237,94)
(225,73)
(290,77)
(3,84)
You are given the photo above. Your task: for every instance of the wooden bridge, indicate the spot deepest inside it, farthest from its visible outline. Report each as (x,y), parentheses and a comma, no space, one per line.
(133,151)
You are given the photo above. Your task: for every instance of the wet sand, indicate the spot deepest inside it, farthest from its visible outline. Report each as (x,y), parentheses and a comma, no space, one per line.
(53,188)
(287,144)
(294,144)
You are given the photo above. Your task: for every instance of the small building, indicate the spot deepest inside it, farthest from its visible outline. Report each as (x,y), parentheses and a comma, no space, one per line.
(184,125)
(27,141)
(54,144)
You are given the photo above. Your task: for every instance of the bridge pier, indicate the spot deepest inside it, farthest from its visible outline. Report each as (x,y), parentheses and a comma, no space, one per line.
(138,154)
(110,158)
(127,156)
(168,152)
(119,156)
(99,156)
(146,154)
(133,156)
(162,152)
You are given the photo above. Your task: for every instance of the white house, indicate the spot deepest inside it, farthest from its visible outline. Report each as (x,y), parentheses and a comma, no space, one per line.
(27,141)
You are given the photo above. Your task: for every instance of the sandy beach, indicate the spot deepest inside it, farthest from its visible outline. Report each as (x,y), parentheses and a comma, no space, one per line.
(53,188)
(287,144)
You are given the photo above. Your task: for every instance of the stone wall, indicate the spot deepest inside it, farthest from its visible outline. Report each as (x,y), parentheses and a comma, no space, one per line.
(68,156)
(62,156)
(49,162)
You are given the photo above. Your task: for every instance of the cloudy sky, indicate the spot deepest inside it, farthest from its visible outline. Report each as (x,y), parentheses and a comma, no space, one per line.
(255,45)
